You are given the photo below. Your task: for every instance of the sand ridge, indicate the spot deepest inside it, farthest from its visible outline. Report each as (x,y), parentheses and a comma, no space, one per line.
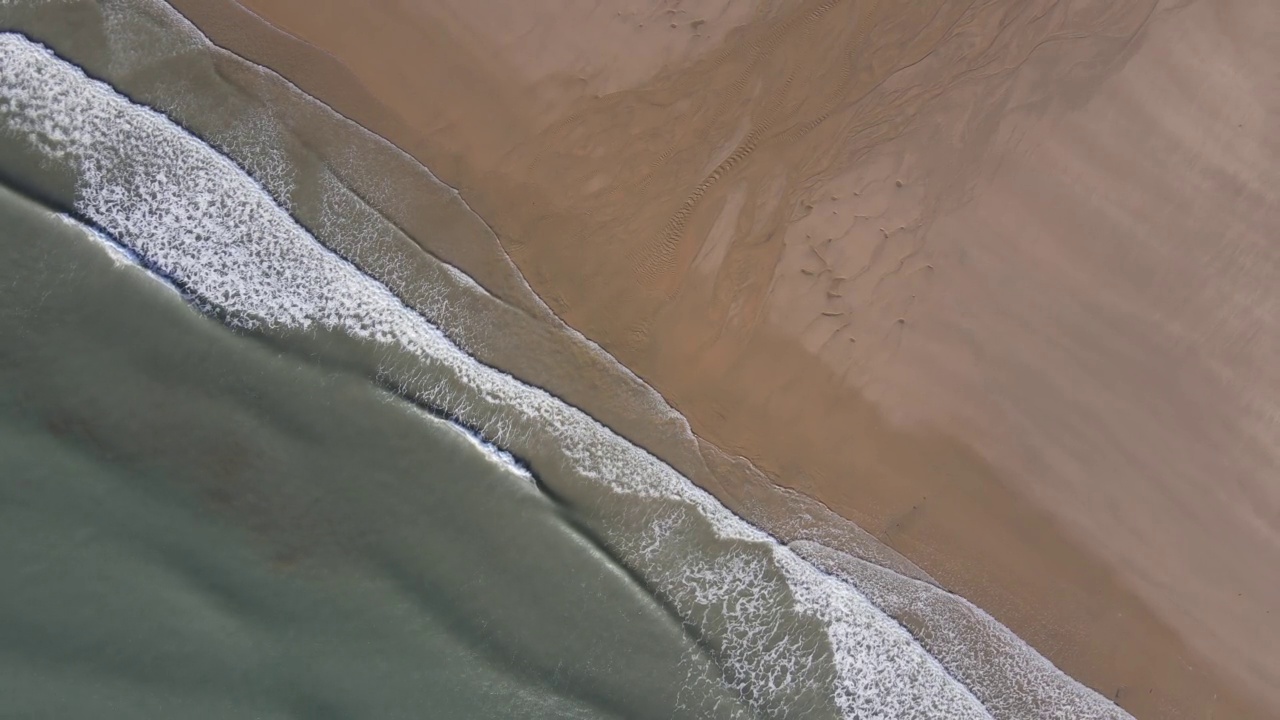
(899,257)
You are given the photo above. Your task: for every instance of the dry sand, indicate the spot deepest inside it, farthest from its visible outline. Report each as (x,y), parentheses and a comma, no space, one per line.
(993,278)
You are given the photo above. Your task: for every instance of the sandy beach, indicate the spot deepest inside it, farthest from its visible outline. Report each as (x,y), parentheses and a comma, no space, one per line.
(994,280)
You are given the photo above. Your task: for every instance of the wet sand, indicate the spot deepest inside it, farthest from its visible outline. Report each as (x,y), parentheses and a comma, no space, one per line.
(989,279)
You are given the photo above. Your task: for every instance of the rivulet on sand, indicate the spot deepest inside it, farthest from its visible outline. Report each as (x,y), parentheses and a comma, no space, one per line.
(995,279)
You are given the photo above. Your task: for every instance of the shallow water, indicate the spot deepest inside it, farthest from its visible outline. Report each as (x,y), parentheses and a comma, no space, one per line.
(284,527)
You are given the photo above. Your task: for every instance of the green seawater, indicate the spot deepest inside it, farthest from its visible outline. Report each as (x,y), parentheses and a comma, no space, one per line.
(196,523)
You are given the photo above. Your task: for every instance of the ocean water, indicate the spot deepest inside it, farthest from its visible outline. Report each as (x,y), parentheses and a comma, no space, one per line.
(247,474)
(202,524)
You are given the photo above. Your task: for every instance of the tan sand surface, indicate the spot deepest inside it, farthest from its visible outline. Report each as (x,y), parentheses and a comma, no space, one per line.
(996,279)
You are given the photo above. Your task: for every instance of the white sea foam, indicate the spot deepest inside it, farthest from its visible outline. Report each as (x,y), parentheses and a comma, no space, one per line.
(197,218)
(1012,679)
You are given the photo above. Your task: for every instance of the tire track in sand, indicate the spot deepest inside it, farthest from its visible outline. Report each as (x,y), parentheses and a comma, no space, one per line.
(755,51)
(655,261)
(866,19)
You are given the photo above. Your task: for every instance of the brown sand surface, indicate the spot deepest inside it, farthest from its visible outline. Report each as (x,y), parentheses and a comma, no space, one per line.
(993,279)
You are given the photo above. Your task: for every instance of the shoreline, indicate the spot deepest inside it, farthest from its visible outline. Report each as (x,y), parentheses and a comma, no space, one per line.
(308,267)
(871,520)
(664,433)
